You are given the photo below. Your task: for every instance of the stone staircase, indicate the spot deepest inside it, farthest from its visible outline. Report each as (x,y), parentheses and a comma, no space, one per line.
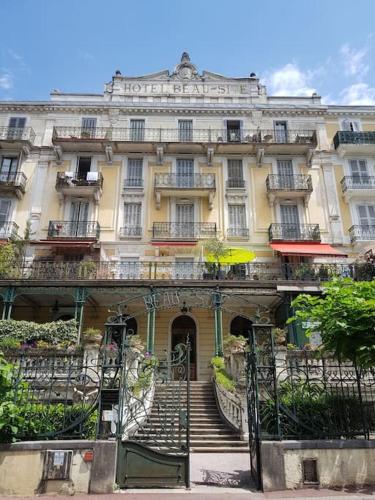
(208,432)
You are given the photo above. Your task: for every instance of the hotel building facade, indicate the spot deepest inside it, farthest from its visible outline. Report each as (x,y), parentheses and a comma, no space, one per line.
(121,190)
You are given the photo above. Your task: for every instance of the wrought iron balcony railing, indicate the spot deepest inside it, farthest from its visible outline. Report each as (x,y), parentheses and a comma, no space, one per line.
(357,182)
(166,135)
(348,137)
(152,270)
(183,230)
(70,179)
(362,232)
(294,232)
(131,232)
(297,182)
(73,229)
(136,182)
(193,181)
(235,183)
(17,134)
(13,179)
(8,230)
(238,232)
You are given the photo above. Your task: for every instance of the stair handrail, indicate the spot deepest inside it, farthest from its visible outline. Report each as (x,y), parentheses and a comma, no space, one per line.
(232,409)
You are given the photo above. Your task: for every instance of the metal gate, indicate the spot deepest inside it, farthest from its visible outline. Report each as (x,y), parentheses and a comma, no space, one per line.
(147,410)
(260,373)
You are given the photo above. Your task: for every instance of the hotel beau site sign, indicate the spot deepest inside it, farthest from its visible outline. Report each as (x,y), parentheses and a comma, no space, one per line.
(184,81)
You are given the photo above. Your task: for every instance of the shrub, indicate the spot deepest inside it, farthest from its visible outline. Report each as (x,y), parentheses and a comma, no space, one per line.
(220,374)
(27,331)
(234,343)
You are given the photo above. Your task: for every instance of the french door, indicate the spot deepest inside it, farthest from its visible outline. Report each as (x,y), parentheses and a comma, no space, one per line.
(79,213)
(185,130)
(184,220)
(359,172)
(88,128)
(290,222)
(285,172)
(281,132)
(4,216)
(16,128)
(185,173)
(9,167)
(366,219)
(137,130)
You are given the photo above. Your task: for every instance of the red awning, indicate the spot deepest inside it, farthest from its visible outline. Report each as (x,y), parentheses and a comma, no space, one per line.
(65,243)
(174,243)
(311,249)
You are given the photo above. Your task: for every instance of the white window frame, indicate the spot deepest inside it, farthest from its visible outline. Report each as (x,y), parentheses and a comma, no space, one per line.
(351,120)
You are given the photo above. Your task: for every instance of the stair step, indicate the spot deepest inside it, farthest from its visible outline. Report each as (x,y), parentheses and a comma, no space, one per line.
(218,449)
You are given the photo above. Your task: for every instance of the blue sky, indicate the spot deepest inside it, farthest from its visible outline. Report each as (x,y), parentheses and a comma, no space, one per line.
(295,46)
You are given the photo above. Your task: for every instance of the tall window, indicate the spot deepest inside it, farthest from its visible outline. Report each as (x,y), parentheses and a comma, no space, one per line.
(132,219)
(350,125)
(235,174)
(366,215)
(185,173)
(16,126)
(5,206)
(88,127)
(285,172)
(281,132)
(79,214)
(135,177)
(9,167)
(237,221)
(234,130)
(137,130)
(185,130)
(359,171)
(184,220)
(290,221)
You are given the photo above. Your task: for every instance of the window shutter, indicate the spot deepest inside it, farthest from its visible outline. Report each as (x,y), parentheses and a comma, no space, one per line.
(135,176)
(289,214)
(132,214)
(4,210)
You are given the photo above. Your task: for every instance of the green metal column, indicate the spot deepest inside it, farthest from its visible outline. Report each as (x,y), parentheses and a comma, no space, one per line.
(9,296)
(218,325)
(151,328)
(80,297)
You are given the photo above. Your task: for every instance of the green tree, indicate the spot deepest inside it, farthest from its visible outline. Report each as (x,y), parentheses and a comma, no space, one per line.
(345,317)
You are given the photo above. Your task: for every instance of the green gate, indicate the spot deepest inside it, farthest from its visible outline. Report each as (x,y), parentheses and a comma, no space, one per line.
(147,410)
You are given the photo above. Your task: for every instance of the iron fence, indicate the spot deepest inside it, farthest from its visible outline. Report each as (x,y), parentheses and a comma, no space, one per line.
(185,181)
(17,134)
(227,135)
(182,230)
(312,396)
(184,270)
(16,179)
(73,229)
(294,232)
(359,181)
(8,230)
(362,232)
(349,137)
(72,179)
(297,182)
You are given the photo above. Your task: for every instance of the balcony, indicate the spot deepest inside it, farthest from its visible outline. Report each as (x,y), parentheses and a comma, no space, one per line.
(347,142)
(135,184)
(294,232)
(82,230)
(195,185)
(241,233)
(8,230)
(358,186)
(362,233)
(13,183)
(146,140)
(197,271)
(131,232)
(16,139)
(288,186)
(183,230)
(89,184)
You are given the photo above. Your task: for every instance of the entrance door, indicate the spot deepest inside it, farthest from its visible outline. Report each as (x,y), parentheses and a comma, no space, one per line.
(182,328)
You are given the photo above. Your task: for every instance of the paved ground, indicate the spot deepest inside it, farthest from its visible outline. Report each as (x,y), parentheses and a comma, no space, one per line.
(211,493)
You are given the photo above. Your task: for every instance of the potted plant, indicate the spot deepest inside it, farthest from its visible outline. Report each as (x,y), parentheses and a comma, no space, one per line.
(279,335)
(92,335)
(233,344)
(136,344)
(86,269)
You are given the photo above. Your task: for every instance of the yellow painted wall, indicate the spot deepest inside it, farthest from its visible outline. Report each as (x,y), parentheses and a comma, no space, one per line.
(109,200)
(332,127)
(263,213)
(344,207)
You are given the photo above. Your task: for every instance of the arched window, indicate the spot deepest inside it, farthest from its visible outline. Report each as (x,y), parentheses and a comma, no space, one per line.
(241,326)
(131,325)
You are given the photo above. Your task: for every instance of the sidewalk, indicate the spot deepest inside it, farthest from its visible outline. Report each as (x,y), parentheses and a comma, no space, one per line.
(212,493)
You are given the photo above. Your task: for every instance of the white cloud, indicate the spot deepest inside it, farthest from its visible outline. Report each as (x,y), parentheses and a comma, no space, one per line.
(6,81)
(353,61)
(358,93)
(290,81)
